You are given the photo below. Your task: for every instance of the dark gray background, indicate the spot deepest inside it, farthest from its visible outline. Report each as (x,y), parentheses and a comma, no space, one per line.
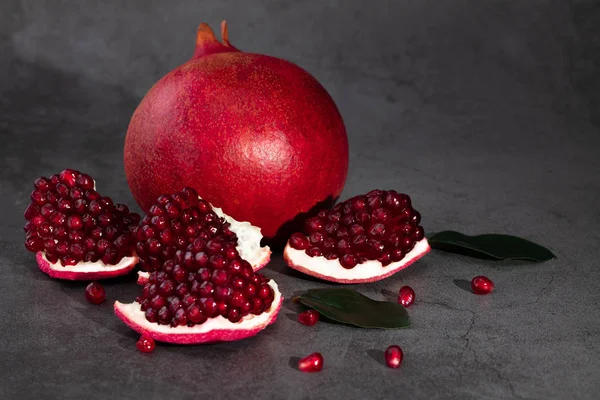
(485,112)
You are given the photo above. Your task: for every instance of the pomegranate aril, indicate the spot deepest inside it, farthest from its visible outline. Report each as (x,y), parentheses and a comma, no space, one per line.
(145,344)
(394,356)
(164,316)
(309,317)
(311,363)
(418,234)
(299,241)
(316,238)
(195,314)
(234,314)
(385,259)
(33,210)
(95,293)
(314,224)
(34,244)
(482,285)
(314,252)
(42,184)
(406,296)
(45,230)
(256,306)
(348,261)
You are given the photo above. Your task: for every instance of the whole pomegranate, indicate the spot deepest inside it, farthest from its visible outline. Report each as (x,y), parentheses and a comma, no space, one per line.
(255,135)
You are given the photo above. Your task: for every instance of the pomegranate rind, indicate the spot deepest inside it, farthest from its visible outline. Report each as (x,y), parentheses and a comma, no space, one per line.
(331,270)
(218,329)
(85,271)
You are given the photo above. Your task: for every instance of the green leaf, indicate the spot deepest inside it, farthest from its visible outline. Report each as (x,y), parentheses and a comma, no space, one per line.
(350,307)
(490,246)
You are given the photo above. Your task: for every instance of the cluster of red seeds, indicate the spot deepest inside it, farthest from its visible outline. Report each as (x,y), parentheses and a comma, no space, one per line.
(176,222)
(381,225)
(69,221)
(205,277)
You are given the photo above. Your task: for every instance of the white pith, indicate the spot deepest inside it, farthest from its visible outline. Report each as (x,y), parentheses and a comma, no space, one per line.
(249,238)
(248,322)
(366,270)
(89,267)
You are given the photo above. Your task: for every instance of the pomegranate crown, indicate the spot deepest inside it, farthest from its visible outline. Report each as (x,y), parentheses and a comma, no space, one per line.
(207,43)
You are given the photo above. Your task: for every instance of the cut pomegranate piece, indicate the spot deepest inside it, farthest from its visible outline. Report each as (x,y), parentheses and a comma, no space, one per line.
(199,288)
(363,239)
(218,317)
(184,223)
(76,233)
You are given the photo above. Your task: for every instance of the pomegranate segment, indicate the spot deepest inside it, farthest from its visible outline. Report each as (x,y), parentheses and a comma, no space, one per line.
(215,329)
(75,232)
(185,222)
(363,239)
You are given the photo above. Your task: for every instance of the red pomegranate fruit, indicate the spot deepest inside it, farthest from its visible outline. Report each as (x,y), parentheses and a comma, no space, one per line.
(185,225)
(199,287)
(257,136)
(76,233)
(363,239)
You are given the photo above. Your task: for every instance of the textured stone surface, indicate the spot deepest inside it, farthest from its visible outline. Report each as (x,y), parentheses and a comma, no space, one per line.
(485,112)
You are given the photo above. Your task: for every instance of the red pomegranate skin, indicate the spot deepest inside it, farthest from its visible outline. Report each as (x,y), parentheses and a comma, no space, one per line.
(255,135)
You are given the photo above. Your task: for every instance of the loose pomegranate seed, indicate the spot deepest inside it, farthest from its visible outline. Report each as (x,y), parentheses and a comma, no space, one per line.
(406,296)
(95,293)
(309,317)
(482,285)
(311,363)
(145,344)
(394,356)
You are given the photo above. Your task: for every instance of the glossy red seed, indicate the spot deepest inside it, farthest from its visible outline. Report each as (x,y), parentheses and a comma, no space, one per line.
(394,356)
(311,363)
(145,344)
(314,252)
(95,293)
(309,317)
(482,285)
(299,241)
(348,261)
(406,296)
